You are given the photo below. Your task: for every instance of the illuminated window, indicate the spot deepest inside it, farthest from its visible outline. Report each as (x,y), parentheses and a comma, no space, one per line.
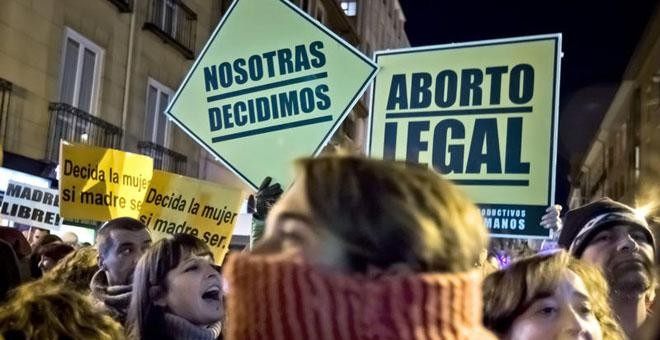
(349,7)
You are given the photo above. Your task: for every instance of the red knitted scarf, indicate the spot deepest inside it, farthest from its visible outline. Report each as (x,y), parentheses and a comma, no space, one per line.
(282,300)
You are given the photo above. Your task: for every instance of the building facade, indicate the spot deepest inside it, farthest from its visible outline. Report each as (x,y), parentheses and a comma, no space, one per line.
(101,72)
(623,161)
(96,72)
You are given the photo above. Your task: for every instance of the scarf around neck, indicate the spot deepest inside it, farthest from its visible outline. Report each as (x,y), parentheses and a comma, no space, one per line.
(278,299)
(179,328)
(114,298)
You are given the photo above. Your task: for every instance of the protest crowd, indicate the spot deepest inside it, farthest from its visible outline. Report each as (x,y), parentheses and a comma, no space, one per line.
(353,249)
(439,222)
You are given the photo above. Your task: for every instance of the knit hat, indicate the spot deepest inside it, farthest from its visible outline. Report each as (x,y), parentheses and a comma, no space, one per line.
(583,223)
(274,298)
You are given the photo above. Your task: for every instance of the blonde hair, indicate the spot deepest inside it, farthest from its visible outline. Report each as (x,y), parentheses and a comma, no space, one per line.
(44,310)
(75,270)
(391,212)
(508,293)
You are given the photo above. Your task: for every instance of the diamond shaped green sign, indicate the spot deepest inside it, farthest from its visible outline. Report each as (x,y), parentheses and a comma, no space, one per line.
(271,85)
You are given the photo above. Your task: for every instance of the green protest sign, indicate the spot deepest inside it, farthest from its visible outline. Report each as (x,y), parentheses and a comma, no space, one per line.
(484,114)
(271,85)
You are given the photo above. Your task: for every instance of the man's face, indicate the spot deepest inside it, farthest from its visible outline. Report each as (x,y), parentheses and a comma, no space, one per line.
(119,261)
(37,235)
(625,255)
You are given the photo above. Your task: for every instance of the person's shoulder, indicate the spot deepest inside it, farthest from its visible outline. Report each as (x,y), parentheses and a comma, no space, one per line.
(479,333)
(104,308)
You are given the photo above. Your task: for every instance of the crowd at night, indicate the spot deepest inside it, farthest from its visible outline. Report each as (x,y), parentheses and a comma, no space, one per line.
(329,169)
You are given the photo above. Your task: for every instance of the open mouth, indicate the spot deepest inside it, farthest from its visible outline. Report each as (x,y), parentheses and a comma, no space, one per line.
(212,293)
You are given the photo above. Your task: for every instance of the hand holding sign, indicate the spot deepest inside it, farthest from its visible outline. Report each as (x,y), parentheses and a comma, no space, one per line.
(260,203)
(551,219)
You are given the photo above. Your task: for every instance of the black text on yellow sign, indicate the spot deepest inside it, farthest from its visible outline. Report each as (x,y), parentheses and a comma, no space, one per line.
(273,106)
(101,184)
(177,204)
(107,198)
(452,153)
(483,114)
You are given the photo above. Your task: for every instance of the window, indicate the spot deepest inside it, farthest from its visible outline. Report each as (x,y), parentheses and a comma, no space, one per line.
(81,72)
(175,23)
(156,126)
(349,7)
(319,13)
(168,17)
(124,6)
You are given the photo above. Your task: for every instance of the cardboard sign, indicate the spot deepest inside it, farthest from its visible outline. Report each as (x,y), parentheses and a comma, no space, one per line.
(484,114)
(178,204)
(101,184)
(271,85)
(31,205)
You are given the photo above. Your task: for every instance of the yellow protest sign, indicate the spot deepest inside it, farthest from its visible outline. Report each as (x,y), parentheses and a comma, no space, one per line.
(101,184)
(177,204)
(484,114)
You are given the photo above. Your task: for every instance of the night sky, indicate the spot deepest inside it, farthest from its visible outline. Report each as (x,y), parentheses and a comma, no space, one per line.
(598,40)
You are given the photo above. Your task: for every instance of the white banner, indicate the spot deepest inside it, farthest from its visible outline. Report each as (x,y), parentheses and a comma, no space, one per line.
(32,205)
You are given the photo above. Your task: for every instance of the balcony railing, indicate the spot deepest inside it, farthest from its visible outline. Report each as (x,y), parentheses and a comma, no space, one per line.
(74,125)
(124,6)
(175,23)
(164,158)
